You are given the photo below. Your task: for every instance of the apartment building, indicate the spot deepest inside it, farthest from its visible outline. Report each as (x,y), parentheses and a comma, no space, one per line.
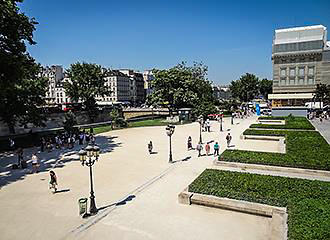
(301,60)
(136,86)
(119,84)
(55,75)
(147,78)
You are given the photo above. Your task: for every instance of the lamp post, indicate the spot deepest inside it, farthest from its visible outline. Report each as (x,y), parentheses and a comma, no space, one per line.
(169,132)
(88,157)
(200,120)
(221,123)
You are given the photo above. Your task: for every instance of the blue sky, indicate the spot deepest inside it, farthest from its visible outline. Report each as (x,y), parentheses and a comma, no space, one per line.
(230,37)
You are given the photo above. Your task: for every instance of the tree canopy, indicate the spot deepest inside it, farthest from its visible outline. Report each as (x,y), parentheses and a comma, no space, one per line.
(183,86)
(21,89)
(249,86)
(322,93)
(87,81)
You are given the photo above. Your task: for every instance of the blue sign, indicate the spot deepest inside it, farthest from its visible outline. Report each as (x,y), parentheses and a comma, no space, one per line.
(258,109)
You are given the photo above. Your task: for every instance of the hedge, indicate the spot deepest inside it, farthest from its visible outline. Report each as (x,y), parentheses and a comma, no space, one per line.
(307,201)
(290,123)
(304,149)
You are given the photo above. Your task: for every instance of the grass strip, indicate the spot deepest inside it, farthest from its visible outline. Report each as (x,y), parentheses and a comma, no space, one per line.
(307,201)
(304,149)
(290,123)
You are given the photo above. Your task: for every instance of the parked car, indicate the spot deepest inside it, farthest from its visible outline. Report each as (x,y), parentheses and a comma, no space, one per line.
(266,112)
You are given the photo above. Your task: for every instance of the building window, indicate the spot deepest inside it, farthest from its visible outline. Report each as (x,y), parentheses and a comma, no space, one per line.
(301,72)
(311,71)
(310,80)
(292,72)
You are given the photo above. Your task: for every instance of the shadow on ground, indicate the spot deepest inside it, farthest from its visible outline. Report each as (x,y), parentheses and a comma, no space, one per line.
(57,158)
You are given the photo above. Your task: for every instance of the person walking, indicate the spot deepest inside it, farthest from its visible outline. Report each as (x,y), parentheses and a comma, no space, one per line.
(53,181)
(35,163)
(150,147)
(208,125)
(228,138)
(11,144)
(189,143)
(207,149)
(42,145)
(199,148)
(19,156)
(216,148)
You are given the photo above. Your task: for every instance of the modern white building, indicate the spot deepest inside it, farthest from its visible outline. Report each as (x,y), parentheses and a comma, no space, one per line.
(301,60)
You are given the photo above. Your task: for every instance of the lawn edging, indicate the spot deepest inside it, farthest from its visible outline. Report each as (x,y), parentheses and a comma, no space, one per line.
(308,172)
(278,215)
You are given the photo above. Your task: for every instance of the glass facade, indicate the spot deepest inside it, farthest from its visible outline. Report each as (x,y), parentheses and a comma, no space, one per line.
(298,46)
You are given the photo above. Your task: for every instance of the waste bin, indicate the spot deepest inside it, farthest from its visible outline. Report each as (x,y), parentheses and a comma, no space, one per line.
(82,206)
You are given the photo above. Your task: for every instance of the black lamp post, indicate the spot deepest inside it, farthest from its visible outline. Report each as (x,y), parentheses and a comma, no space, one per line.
(221,123)
(169,132)
(88,157)
(200,120)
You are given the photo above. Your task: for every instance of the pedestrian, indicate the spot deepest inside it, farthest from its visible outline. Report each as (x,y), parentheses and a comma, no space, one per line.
(42,145)
(207,149)
(208,125)
(87,138)
(150,147)
(93,139)
(189,144)
(228,138)
(11,143)
(199,148)
(216,149)
(35,163)
(19,156)
(232,118)
(81,138)
(53,181)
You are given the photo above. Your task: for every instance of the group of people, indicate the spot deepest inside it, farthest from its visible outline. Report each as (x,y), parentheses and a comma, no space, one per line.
(216,146)
(67,140)
(322,116)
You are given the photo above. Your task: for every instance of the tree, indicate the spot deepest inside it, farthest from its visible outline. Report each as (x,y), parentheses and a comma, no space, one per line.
(21,89)
(86,82)
(114,117)
(183,86)
(245,88)
(265,87)
(322,93)
(69,122)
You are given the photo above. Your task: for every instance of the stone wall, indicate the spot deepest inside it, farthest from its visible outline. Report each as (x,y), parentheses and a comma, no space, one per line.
(54,120)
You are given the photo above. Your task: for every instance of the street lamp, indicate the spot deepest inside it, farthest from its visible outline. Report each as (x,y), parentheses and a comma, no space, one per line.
(221,123)
(88,158)
(169,132)
(200,120)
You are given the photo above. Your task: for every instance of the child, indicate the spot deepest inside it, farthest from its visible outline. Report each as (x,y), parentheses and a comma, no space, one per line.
(53,181)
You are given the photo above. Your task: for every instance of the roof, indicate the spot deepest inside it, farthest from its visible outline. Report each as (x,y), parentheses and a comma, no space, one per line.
(300,34)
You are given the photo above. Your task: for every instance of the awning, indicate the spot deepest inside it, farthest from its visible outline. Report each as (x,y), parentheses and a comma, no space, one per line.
(291,96)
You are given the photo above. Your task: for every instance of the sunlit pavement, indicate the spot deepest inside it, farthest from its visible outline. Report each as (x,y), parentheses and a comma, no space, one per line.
(145,185)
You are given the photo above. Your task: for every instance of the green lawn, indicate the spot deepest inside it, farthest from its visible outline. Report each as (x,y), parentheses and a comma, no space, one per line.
(143,123)
(307,201)
(305,149)
(290,123)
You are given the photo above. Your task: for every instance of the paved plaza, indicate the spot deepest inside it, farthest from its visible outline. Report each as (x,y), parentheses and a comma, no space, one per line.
(136,193)
(323,127)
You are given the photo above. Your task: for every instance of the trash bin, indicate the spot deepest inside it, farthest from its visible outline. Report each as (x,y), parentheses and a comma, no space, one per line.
(82,206)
